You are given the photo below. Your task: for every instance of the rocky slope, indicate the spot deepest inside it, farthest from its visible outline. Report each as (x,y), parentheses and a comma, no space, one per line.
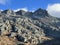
(29,27)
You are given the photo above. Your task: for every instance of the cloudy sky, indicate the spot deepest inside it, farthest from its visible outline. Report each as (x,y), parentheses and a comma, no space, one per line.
(52,6)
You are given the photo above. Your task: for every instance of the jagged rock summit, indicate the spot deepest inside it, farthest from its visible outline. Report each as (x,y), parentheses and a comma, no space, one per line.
(41,12)
(29,27)
(8,12)
(21,12)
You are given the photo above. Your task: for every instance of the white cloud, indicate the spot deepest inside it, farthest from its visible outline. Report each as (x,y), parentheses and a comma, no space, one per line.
(32,10)
(25,9)
(4,2)
(54,9)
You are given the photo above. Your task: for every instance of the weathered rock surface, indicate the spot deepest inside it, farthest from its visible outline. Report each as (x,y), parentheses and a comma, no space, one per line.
(28,27)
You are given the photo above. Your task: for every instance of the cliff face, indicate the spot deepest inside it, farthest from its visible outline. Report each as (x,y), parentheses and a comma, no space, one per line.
(29,27)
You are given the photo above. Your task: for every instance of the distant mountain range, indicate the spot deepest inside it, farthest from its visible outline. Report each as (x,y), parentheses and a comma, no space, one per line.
(37,27)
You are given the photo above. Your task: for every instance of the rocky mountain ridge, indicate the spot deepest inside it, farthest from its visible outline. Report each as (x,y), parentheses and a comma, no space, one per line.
(29,27)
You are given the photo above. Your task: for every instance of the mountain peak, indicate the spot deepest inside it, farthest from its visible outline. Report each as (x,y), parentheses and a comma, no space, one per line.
(41,12)
(8,11)
(27,27)
(21,12)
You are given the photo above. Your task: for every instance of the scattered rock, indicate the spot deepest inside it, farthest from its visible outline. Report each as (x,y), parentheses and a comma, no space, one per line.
(27,27)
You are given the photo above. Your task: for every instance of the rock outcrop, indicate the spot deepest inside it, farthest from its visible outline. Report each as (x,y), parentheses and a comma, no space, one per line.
(28,27)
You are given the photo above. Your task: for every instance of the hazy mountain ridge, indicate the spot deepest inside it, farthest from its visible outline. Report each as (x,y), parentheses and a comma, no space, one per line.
(29,27)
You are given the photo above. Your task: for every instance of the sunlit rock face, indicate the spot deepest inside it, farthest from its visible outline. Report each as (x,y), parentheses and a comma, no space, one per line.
(8,12)
(29,27)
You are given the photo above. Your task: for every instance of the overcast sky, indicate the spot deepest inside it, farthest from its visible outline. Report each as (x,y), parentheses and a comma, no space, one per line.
(52,6)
